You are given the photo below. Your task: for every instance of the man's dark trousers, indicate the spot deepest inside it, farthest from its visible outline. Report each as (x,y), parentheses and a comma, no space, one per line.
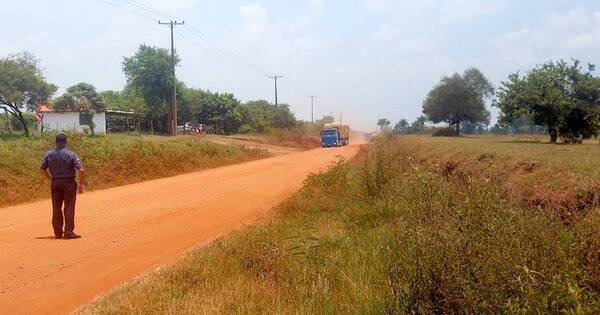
(64,190)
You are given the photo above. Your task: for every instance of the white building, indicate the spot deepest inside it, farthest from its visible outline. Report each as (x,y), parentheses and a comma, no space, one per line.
(70,121)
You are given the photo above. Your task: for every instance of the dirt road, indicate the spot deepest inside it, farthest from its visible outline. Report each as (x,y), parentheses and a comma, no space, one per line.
(135,228)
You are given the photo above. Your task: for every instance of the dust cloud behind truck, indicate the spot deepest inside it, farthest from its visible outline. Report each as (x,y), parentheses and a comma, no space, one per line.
(335,135)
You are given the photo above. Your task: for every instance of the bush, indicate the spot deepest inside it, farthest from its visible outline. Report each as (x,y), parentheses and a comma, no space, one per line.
(445,132)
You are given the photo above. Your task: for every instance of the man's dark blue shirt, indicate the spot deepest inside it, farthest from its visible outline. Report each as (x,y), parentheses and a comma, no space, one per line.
(61,162)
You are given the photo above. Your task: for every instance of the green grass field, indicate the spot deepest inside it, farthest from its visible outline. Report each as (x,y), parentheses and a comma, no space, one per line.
(400,230)
(111,161)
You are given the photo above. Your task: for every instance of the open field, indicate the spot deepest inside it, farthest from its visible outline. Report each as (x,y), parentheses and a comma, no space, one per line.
(112,160)
(562,178)
(399,230)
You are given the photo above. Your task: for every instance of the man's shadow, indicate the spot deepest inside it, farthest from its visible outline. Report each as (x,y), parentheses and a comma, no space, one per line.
(45,238)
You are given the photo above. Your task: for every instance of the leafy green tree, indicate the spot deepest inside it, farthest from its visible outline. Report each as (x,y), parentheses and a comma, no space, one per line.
(419,124)
(459,98)
(473,128)
(223,113)
(560,96)
(327,119)
(127,100)
(401,127)
(191,102)
(220,112)
(149,72)
(22,86)
(255,117)
(479,83)
(81,97)
(384,124)
(499,129)
(262,116)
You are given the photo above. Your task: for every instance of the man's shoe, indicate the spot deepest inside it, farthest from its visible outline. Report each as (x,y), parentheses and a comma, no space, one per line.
(71,236)
(58,236)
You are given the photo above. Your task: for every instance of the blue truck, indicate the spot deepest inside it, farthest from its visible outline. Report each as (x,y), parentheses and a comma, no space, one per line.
(335,135)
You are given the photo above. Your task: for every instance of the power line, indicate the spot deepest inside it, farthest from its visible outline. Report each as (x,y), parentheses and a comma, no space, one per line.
(240,61)
(128,10)
(225,54)
(222,52)
(219,53)
(149,9)
(233,55)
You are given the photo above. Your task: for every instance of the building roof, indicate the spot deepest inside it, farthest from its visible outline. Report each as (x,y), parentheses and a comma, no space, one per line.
(43,108)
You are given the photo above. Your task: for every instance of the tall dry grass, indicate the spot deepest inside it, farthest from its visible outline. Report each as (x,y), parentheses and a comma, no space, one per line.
(110,161)
(386,233)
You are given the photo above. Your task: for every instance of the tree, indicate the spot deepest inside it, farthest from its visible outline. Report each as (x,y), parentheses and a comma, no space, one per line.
(401,127)
(419,124)
(223,113)
(558,95)
(326,119)
(473,128)
(127,100)
(262,116)
(81,97)
(384,124)
(22,86)
(458,99)
(149,72)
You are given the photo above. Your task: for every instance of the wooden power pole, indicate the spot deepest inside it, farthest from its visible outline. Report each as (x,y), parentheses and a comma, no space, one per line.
(275,77)
(312,108)
(173,112)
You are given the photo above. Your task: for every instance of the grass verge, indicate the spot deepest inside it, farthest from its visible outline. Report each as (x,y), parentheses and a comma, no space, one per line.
(386,233)
(111,161)
(300,138)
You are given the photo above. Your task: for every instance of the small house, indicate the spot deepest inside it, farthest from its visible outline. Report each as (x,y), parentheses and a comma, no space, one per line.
(77,121)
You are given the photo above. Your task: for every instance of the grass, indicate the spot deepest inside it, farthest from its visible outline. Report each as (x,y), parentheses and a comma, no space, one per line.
(394,231)
(564,178)
(301,138)
(110,161)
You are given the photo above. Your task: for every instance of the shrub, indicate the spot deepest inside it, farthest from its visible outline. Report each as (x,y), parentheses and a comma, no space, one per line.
(445,132)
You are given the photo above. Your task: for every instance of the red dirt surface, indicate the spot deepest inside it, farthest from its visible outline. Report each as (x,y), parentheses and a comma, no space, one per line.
(132,229)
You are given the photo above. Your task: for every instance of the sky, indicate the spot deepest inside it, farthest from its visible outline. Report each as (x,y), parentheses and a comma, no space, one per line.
(362,59)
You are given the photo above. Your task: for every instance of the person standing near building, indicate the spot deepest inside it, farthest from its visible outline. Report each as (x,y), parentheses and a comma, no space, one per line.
(61,166)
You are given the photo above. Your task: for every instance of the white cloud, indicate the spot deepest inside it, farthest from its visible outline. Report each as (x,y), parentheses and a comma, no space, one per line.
(171,5)
(461,10)
(253,12)
(435,11)
(316,6)
(574,34)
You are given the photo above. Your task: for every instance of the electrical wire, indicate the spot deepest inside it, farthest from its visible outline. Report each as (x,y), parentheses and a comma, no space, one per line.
(225,54)
(128,10)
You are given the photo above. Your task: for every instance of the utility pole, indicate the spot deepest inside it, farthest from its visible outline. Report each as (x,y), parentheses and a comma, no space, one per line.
(173,113)
(275,77)
(312,108)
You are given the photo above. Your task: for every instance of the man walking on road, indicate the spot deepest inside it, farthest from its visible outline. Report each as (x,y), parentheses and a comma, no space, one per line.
(61,166)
